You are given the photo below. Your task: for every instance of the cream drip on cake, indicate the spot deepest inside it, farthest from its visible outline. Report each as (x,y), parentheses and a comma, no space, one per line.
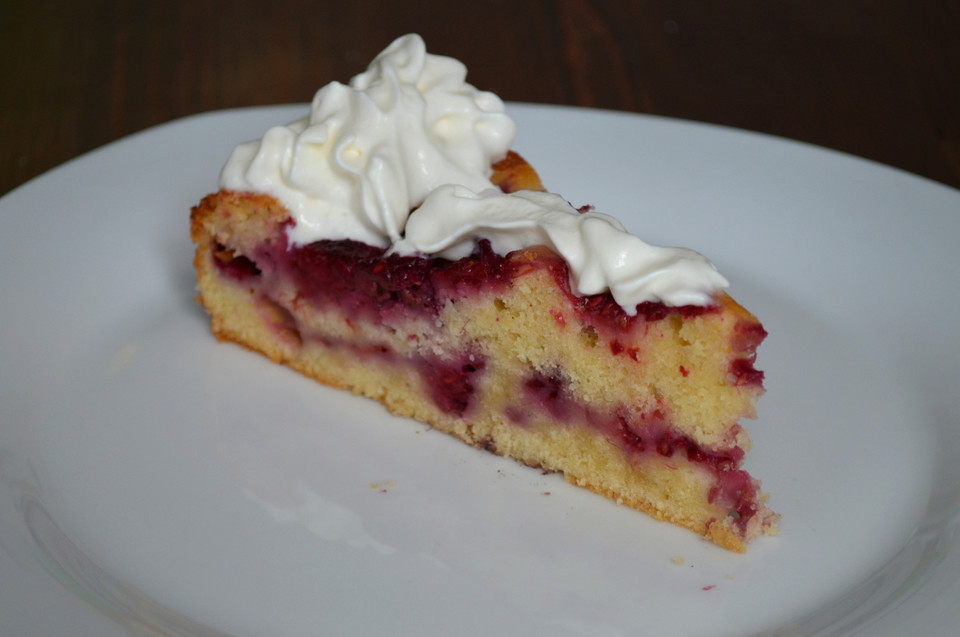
(401,158)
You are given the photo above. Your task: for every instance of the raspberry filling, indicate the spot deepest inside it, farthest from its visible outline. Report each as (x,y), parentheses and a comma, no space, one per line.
(735,489)
(365,279)
(233,265)
(746,339)
(366,282)
(451,383)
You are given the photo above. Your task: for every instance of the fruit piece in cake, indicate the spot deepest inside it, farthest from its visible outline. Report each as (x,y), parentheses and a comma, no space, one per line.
(392,244)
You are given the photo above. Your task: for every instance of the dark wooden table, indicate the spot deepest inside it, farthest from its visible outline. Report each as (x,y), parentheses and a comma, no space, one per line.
(875,78)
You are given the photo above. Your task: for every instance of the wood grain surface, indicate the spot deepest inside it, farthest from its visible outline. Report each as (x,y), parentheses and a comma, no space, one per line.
(875,78)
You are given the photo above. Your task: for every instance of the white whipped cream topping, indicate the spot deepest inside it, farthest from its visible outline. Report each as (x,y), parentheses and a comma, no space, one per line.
(372,150)
(410,131)
(601,254)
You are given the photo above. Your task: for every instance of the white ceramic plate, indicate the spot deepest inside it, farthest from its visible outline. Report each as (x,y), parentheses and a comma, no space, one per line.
(155,482)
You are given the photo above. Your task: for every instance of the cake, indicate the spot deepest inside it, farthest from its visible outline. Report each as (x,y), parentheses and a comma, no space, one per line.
(391,243)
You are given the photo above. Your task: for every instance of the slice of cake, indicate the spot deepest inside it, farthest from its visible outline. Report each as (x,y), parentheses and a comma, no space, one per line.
(391,244)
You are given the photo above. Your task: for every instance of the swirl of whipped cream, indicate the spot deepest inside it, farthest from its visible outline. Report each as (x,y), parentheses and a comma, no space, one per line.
(601,254)
(372,150)
(408,132)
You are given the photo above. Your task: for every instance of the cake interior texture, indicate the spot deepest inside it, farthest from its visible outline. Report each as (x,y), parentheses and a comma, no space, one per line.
(499,352)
